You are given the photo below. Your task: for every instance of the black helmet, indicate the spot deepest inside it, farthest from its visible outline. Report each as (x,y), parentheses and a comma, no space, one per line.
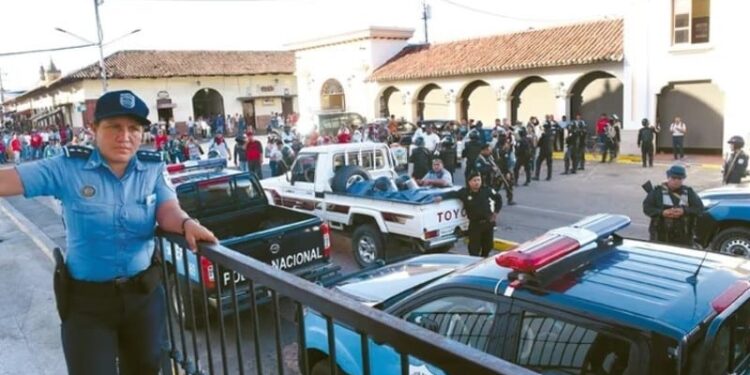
(644,122)
(522,132)
(419,142)
(448,141)
(737,140)
(474,135)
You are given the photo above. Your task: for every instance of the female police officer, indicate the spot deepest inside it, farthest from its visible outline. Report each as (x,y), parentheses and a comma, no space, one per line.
(112,197)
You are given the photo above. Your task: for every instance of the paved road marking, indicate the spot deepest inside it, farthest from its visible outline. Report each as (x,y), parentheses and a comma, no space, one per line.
(44,243)
(569,214)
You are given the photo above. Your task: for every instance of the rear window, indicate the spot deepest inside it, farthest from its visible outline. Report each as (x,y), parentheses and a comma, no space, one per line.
(228,191)
(731,350)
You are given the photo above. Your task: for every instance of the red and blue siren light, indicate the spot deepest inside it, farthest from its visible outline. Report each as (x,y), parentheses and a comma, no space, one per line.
(215,163)
(557,243)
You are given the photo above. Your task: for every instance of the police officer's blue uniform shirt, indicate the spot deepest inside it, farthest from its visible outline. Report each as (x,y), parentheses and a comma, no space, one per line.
(110,221)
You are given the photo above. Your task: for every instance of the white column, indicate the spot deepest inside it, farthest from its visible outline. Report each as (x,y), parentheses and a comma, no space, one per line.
(562,104)
(503,103)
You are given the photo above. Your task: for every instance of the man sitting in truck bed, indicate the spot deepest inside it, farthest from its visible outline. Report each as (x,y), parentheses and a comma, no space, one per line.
(437,177)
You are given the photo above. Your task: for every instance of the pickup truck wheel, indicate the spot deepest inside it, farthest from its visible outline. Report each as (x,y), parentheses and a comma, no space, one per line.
(346,177)
(733,241)
(367,244)
(187,314)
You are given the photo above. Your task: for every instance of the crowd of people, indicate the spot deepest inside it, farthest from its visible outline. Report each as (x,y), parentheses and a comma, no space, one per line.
(39,143)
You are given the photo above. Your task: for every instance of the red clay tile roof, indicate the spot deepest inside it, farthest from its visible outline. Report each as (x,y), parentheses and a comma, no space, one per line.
(158,64)
(585,43)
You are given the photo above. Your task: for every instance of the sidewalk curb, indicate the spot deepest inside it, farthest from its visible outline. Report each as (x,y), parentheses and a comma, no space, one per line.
(499,244)
(636,159)
(42,241)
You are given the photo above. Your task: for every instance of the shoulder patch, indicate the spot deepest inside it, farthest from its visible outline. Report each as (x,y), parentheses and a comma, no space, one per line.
(152,156)
(80,152)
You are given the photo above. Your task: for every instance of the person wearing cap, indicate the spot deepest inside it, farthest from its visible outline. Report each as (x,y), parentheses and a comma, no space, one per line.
(735,167)
(109,299)
(673,208)
(482,215)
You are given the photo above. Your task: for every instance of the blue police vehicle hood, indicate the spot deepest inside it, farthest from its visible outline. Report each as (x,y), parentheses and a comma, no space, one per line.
(733,191)
(373,287)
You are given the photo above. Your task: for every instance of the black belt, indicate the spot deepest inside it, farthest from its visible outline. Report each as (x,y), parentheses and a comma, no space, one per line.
(143,283)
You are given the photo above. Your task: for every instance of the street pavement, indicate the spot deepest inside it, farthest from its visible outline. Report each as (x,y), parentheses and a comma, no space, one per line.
(30,228)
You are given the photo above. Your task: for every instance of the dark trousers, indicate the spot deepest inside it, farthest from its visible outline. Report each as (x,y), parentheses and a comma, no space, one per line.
(256,167)
(571,160)
(678,146)
(526,165)
(125,330)
(481,237)
(647,155)
(544,157)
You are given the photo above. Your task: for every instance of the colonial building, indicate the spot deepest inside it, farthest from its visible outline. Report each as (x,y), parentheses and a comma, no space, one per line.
(175,84)
(657,61)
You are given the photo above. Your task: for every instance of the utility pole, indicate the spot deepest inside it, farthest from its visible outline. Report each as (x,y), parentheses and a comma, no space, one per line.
(100,44)
(426,15)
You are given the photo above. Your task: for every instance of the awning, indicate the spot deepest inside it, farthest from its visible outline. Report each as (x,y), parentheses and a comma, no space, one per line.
(247,98)
(44,115)
(165,104)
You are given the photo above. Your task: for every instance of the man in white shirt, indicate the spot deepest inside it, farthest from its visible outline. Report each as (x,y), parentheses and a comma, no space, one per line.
(191,126)
(431,140)
(678,130)
(438,177)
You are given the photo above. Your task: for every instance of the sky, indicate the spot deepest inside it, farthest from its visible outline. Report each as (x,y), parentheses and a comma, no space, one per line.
(253,24)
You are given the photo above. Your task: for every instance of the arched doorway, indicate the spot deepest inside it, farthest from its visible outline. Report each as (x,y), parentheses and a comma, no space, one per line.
(701,106)
(596,93)
(207,103)
(432,103)
(478,102)
(332,96)
(532,96)
(392,103)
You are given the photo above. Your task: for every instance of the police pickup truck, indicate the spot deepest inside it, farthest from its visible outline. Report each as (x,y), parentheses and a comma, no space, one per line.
(725,224)
(232,205)
(576,300)
(317,184)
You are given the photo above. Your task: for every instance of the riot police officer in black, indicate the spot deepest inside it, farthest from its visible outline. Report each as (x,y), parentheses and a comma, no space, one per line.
(523,157)
(476,199)
(504,176)
(545,152)
(449,155)
(673,209)
(571,150)
(471,151)
(421,158)
(583,134)
(646,143)
(735,167)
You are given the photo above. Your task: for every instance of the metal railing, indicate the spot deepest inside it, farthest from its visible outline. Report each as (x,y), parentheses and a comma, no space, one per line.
(228,338)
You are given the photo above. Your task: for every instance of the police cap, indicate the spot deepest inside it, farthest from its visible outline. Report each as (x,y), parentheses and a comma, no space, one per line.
(677,171)
(121,103)
(737,140)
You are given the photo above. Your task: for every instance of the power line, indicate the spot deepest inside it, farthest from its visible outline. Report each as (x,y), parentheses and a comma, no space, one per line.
(498,15)
(26,52)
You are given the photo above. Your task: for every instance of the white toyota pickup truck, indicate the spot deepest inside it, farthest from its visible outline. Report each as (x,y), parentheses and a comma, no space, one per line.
(318,181)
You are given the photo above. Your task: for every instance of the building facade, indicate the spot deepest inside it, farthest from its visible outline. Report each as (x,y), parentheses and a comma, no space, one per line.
(659,60)
(176,85)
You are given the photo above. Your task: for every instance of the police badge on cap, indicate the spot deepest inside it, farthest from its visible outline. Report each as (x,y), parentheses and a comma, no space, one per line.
(127,100)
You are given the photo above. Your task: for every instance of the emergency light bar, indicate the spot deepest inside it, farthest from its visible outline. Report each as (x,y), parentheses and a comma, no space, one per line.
(544,250)
(214,163)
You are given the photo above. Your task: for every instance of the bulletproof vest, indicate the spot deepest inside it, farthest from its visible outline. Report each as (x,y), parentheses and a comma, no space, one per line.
(667,198)
(647,136)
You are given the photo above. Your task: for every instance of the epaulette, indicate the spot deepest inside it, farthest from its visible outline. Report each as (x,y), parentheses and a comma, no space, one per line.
(80,152)
(152,156)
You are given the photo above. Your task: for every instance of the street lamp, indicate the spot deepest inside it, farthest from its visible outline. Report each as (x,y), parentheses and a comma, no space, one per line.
(100,42)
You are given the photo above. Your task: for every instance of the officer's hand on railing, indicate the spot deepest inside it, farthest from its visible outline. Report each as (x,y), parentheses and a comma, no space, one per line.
(194,232)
